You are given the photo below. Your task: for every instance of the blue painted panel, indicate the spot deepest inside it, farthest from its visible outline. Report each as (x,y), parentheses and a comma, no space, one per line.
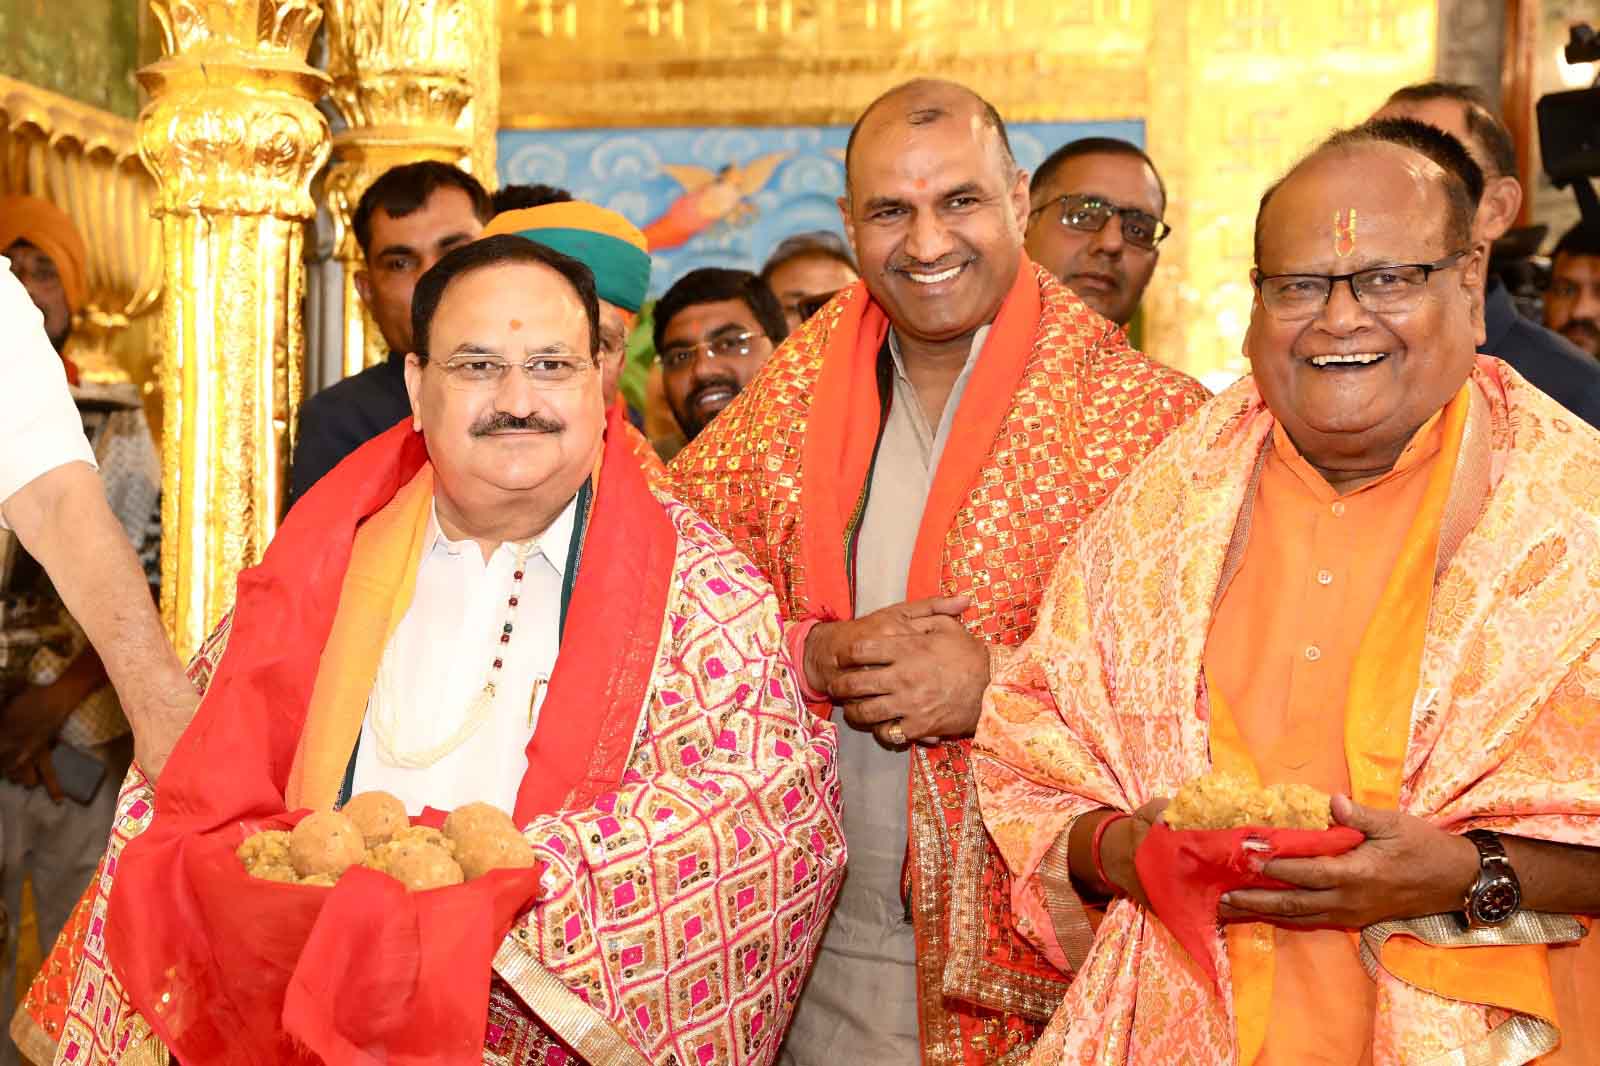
(725,196)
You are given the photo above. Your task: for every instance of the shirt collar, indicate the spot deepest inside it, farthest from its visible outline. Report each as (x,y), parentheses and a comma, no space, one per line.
(978,337)
(555,543)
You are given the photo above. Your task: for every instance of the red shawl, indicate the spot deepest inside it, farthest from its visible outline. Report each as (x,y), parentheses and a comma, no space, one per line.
(229,969)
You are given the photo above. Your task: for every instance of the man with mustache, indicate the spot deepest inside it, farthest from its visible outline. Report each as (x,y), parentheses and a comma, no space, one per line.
(713,330)
(905,469)
(488,603)
(1572,302)
(1095,222)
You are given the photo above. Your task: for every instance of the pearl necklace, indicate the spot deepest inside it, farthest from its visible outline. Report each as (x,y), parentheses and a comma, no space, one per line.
(385,726)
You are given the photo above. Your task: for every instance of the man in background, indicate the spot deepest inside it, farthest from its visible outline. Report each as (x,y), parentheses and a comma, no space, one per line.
(1547,359)
(616,254)
(406,221)
(516,197)
(1572,302)
(64,740)
(1095,222)
(713,330)
(805,267)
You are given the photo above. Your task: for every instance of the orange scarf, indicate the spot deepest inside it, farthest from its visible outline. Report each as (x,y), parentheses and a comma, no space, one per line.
(843,436)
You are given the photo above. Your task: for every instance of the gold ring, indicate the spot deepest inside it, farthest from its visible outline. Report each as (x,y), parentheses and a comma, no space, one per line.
(896,735)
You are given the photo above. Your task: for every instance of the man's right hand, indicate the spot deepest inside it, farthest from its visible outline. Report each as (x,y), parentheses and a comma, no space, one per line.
(1117,849)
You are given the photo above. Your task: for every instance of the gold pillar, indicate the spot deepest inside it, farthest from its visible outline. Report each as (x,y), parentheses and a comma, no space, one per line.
(86,162)
(232,137)
(413,82)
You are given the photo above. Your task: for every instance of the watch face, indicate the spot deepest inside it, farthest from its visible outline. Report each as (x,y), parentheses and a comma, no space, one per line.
(1496,901)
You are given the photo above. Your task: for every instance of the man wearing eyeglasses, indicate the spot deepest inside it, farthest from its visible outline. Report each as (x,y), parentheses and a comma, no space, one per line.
(488,603)
(906,469)
(1368,568)
(1095,222)
(713,330)
(1547,359)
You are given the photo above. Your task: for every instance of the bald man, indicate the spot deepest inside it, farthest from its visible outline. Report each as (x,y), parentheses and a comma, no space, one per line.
(906,566)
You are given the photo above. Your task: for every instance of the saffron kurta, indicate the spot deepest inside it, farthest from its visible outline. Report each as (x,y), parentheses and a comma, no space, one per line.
(689,846)
(1132,685)
(1057,410)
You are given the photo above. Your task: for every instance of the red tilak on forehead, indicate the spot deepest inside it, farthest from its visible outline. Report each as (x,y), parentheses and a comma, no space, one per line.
(1344,232)
(516,324)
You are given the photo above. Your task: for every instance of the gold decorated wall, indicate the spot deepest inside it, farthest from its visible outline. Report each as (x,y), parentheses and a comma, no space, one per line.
(1231,91)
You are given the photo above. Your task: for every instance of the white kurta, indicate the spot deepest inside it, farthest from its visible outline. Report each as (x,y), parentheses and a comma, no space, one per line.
(39,424)
(440,657)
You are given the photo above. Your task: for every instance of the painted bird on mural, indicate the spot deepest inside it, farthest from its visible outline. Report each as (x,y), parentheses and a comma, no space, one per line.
(710,197)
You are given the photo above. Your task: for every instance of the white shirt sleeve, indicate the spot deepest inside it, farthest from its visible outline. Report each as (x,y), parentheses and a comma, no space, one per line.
(40,428)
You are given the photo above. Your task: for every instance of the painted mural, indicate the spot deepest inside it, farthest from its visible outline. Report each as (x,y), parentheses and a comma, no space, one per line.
(724,196)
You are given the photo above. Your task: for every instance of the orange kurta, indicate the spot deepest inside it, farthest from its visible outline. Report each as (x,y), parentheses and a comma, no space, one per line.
(1108,704)
(1282,647)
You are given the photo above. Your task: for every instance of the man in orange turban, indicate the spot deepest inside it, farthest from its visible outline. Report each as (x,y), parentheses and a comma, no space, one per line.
(49,258)
(616,253)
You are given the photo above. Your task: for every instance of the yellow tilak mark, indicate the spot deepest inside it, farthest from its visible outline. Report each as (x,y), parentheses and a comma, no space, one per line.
(1344,232)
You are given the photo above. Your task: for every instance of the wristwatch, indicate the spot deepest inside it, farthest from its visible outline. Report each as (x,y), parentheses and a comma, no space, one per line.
(1497,894)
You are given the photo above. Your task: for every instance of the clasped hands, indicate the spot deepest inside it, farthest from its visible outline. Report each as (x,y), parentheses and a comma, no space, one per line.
(907,673)
(1404,868)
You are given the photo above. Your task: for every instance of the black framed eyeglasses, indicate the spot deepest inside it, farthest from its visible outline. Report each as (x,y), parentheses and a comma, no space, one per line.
(1383,290)
(722,346)
(1090,214)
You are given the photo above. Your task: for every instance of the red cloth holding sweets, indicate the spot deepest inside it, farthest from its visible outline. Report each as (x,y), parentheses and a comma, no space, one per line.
(1185,872)
(230,969)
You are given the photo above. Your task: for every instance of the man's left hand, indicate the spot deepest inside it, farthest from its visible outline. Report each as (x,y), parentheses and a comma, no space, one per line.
(1404,869)
(929,685)
(28,725)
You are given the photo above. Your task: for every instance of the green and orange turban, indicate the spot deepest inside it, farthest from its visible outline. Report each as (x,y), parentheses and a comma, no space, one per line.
(609,245)
(47,227)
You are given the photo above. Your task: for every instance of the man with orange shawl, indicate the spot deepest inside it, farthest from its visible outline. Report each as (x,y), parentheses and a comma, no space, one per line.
(933,435)
(487,604)
(1368,568)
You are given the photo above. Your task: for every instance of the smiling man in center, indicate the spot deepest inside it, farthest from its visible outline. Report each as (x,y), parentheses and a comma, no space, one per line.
(905,469)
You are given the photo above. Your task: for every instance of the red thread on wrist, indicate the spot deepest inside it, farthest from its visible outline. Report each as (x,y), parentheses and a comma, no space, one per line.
(1094,846)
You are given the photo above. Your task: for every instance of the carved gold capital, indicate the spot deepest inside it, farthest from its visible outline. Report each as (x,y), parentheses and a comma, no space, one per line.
(268,28)
(402,63)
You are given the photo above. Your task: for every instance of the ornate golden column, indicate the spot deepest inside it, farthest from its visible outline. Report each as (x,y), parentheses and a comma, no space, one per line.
(413,81)
(232,137)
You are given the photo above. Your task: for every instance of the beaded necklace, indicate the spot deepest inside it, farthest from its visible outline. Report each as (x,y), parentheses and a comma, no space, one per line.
(384,725)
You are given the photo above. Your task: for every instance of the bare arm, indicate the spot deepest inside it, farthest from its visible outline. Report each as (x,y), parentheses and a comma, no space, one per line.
(64,522)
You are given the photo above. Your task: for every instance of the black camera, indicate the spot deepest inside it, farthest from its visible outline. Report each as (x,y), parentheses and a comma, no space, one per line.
(1569,129)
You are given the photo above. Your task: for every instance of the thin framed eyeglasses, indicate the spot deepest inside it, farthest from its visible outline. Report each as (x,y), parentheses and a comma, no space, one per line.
(1089,214)
(723,346)
(1383,290)
(486,373)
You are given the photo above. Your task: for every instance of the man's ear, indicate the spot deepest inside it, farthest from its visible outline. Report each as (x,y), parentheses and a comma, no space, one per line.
(1020,201)
(414,388)
(1473,270)
(849,223)
(364,287)
(1497,211)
